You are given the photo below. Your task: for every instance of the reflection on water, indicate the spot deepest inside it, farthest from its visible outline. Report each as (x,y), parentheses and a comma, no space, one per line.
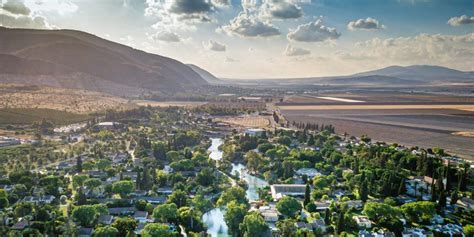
(216,225)
(214,219)
(254,183)
(215,154)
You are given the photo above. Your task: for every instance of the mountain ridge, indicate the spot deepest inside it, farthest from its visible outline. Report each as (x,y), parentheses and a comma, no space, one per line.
(90,58)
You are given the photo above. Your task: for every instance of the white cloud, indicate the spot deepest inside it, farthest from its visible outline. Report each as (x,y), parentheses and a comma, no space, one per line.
(16,7)
(215,46)
(461,20)
(365,24)
(15,14)
(294,51)
(281,9)
(247,25)
(449,50)
(313,32)
(165,36)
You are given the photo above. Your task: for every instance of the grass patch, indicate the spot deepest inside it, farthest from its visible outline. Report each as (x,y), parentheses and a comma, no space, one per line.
(26,116)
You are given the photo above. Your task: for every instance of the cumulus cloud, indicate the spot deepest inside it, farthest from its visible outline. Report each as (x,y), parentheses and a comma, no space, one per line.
(246,25)
(191,11)
(461,20)
(281,9)
(313,32)
(294,51)
(215,46)
(221,3)
(365,24)
(190,6)
(15,14)
(16,7)
(165,36)
(450,50)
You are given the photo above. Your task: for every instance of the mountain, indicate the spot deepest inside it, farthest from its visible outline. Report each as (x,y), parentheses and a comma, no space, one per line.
(205,74)
(370,80)
(426,73)
(75,59)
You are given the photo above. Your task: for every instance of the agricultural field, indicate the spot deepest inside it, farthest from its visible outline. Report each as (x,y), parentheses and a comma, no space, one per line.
(27,116)
(246,121)
(413,120)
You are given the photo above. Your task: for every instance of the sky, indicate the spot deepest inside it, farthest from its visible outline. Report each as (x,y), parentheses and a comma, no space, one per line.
(245,39)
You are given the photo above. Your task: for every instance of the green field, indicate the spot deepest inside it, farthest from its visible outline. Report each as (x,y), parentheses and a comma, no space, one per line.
(22,116)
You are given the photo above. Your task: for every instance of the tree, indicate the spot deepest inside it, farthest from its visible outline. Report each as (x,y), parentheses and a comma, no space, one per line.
(159,151)
(364,191)
(253,225)
(3,199)
(285,140)
(307,195)
(288,206)
(201,203)
(286,228)
(340,225)
(166,212)
(86,215)
(178,197)
(79,164)
(190,219)
(379,211)
(156,230)
(254,161)
(125,225)
(234,193)
(106,231)
(92,183)
(234,215)
(468,230)
(123,187)
(23,208)
(421,211)
(78,180)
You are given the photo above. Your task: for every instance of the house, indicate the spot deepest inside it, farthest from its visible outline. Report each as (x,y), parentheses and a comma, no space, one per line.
(357,204)
(466,203)
(416,232)
(318,224)
(309,172)
(107,125)
(105,219)
(48,199)
(140,227)
(280,190)
(269,213)
(322,206)
(141,216)
(85,232)
(21,225)
(447,230)
(6,187)
(165,190)
(257,132)
(380,233)
(122,211)
(9,141)
(362,222)
(97,174)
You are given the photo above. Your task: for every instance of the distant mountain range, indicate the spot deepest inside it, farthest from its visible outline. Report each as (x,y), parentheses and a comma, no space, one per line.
(389,76)
(75,59)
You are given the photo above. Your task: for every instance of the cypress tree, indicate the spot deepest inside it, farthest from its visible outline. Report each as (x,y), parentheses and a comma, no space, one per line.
(307,195)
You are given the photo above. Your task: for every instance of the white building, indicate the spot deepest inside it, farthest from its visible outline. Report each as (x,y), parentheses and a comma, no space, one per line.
(280,190)
(258,132)
(362,222)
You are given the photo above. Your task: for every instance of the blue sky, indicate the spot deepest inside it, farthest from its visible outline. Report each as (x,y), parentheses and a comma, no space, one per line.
(270,38)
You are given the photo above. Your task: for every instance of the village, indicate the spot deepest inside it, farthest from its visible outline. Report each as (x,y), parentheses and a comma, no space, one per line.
(186,172)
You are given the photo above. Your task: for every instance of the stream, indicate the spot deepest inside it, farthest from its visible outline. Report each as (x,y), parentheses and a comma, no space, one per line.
(214,219)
